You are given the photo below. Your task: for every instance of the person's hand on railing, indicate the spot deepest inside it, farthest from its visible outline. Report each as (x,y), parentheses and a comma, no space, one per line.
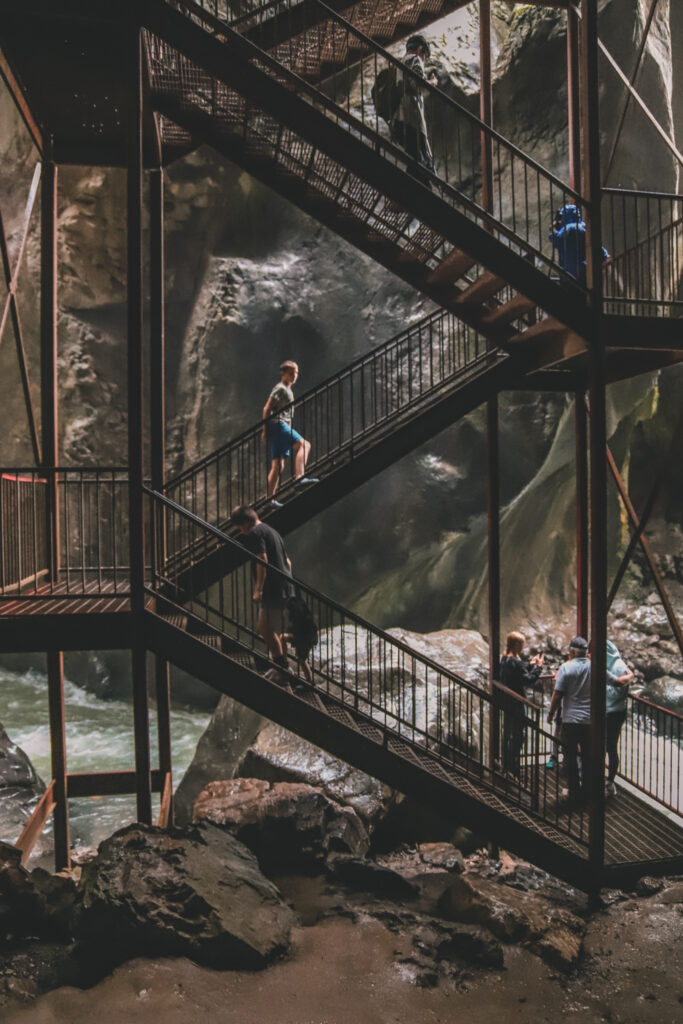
(257,595)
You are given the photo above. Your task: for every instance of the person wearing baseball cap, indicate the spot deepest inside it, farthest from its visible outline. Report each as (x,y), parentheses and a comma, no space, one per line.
(573,689)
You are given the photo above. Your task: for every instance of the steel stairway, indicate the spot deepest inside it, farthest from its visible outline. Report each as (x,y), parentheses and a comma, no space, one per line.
(359,421)
(336,162)
(389,711)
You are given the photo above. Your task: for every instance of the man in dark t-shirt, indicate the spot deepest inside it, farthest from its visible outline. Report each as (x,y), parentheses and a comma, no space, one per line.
(272,578)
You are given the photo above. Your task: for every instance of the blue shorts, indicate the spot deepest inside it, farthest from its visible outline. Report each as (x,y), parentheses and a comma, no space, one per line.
(281,437)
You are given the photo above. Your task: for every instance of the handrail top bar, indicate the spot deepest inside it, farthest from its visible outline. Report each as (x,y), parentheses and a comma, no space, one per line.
(640,193)
(48,470)
(235,442)
(264,57)
(351,616)
(657,707)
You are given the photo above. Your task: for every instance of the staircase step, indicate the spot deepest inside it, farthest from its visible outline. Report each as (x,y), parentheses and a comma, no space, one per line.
(486,285)
(539,331)
(176,619)
(509,311)
(210,639)
(451,268)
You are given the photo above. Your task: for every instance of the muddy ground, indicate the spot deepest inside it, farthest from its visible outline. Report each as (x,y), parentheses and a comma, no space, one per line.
(352,969)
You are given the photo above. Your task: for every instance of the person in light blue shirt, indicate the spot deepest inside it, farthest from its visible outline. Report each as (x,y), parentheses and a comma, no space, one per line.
(618,678)
(573,691)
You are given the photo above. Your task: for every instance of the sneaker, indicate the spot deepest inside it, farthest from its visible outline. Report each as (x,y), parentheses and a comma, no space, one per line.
(274,503)
(610,789)
(274,675)
(551,762)
(303,481)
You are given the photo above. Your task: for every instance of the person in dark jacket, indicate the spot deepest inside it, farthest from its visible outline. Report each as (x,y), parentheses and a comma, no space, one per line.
(515,674)
(568,236)
(408,123)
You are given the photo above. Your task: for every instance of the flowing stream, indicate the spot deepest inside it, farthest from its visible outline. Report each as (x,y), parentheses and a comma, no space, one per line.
(99,737)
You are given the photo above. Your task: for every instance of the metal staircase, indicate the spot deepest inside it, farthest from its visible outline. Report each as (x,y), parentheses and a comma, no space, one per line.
(327,150)
(388,710)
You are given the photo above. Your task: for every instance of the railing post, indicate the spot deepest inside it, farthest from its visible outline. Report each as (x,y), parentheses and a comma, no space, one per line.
(158,443)
(581,453)
(485,103)
(55,692)
(48,360)
(135,181)
(493,517)
(573,101)
(597,377)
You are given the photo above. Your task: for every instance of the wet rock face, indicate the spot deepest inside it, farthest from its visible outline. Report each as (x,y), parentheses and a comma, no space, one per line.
(555,934)
(35,903)
(196,893)
(413,694)
(20,789)
(222,744)
(288,826)
(277,755)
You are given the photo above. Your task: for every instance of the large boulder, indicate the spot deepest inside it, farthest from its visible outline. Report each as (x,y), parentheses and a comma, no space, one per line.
(411,696)
(289,826)
(20,790)
(35,903)
(232,728)
(196,892)
(552,932)
(278,755)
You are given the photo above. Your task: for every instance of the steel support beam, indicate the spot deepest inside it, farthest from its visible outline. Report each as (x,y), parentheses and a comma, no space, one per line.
(135,184)
(49,392)
(158,446)
(55,693)
(485,103)
(493,519)
(581,442)
(573,100)
(597,383)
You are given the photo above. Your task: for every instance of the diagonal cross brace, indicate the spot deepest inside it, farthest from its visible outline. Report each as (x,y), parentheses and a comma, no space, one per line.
(646,513)
(12,277)
(647,551)
(11,308)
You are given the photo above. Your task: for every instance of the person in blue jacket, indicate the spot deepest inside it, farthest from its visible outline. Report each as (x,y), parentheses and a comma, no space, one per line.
(619,676)
(569,238)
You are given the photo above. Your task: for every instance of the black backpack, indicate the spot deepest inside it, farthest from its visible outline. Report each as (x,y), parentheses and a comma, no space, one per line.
(386,93)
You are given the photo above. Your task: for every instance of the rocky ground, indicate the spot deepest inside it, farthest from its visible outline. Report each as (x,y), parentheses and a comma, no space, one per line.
(425,935)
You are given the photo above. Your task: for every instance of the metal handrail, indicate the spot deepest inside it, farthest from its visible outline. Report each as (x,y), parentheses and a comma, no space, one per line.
(480,125)
(374,137)
(640,193)
(227,541)
(381,354)
(406,693)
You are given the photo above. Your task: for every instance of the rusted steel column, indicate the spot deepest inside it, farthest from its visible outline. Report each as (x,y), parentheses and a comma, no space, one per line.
(49,393)
(573,102)
(493,517)
(141,733)
(158,437)
(135,185)
(55,694)
(135,324)
(597,383)
(485,103)
(581,441)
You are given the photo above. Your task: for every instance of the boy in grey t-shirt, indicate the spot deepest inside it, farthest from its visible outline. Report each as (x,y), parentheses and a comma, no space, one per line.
(281,437)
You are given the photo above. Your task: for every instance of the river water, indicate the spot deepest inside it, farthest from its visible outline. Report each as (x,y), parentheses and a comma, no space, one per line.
(99,738)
